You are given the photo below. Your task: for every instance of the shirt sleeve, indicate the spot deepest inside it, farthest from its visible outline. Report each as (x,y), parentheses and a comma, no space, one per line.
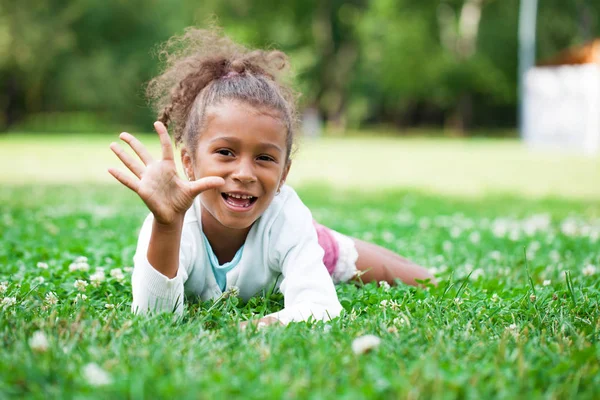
(307,287)
(153,291)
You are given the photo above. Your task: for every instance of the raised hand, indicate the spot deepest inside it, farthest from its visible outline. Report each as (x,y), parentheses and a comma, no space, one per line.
(157,183)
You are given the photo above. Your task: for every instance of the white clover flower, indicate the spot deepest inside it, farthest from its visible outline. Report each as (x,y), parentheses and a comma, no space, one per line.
(476,274)
(512,327)
(109,306)
(514,235)
(128,269)
(81,259)
(96,376)
(80,285)
(365,344)
(42,265)
(50,299)
(496,255)
(117,273)
(569,227)
(392,304)
(97,277)
(8,302)
(499,228)
(447,246)
(424,223)
(387,236)
(403,320)
(458,301)
(38,342)
(80,297)
(232,291)
(79,265)
(384,285)
(475,237)
(455,232)
(38,280)
(589,270)
(439,259)
(3,286)
(495,297)
(547,282)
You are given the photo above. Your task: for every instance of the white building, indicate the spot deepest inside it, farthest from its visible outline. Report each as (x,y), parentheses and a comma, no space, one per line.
(562,102)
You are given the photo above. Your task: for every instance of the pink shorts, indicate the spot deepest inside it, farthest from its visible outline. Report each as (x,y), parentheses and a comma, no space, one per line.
(340,253)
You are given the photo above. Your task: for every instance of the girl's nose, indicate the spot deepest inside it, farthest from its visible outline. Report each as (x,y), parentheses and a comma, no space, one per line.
(244,172)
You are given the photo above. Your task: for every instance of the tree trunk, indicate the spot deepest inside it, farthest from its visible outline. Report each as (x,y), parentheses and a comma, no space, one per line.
(462,43)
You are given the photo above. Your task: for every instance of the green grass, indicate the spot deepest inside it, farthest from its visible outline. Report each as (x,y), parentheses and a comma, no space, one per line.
(463,168)
(492,328)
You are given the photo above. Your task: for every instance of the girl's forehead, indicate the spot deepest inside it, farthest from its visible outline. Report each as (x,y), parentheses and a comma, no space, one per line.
(247,122)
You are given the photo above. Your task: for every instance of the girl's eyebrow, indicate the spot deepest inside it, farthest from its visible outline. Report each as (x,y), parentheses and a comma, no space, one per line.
(234,140)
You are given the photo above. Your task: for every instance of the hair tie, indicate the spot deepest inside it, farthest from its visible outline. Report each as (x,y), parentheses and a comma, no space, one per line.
(231,74)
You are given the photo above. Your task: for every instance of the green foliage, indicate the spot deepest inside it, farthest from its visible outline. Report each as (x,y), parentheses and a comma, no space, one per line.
(504,321)
(406,61)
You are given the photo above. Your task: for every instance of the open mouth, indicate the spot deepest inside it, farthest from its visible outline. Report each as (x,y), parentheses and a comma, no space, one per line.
(239,200)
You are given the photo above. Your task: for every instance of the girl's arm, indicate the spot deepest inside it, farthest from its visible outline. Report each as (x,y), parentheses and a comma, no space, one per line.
(152,290)
(163,249)
(166,195)
(307,287)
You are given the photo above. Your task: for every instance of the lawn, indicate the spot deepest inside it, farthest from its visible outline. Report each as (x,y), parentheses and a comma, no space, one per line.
(512,235)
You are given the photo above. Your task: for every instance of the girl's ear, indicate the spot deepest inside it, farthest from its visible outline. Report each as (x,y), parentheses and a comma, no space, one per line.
(188,167)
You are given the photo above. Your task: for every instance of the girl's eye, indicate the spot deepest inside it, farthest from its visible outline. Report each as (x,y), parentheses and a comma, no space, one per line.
(266,158)
(224,152)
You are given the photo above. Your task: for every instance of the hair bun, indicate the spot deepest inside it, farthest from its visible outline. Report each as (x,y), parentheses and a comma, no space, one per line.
(238,66)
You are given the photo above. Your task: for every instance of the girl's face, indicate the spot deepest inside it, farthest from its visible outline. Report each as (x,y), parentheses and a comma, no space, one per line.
(247,148)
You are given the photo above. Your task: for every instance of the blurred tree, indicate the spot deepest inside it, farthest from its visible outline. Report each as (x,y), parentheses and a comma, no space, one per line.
(110,62)
(32,35)
(404,62)
(319,36)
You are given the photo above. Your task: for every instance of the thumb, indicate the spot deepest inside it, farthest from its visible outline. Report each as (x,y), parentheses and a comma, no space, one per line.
(206,183)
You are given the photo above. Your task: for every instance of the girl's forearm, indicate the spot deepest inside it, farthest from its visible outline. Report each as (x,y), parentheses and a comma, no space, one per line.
(163,249)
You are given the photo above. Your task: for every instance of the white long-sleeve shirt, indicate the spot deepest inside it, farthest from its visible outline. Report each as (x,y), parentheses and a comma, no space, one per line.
(281,250)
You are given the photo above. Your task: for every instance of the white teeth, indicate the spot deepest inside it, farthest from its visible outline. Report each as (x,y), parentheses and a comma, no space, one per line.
(240,196)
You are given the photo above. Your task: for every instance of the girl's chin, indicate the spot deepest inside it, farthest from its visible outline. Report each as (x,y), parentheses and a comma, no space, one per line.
(237,223)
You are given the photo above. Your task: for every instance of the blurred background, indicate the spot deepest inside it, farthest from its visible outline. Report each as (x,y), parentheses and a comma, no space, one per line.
(388,68)
(81,65)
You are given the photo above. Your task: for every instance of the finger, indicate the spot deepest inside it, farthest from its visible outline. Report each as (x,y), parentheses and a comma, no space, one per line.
(134,166)
(165,140)
(126,180)
(209,182)
(138,147)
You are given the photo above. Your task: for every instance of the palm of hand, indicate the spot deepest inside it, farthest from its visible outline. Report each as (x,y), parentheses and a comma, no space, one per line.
(165,194)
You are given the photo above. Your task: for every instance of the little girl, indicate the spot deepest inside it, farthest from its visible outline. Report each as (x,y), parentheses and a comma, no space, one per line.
(234,222)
